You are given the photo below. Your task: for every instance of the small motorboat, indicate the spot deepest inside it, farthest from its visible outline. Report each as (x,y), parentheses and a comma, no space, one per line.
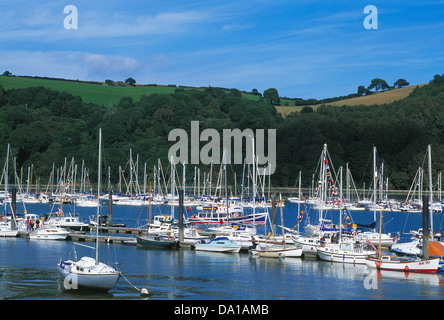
(48,232)
(219,244)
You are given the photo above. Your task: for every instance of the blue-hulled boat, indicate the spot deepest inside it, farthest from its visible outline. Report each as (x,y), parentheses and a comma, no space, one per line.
(219,244)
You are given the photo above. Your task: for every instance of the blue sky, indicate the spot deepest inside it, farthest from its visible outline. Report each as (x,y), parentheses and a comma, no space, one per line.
(306,49)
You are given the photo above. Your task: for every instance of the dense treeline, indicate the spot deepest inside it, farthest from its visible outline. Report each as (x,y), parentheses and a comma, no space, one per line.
(44,126)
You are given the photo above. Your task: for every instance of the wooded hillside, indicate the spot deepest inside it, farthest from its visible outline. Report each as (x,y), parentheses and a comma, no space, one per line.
(44,126)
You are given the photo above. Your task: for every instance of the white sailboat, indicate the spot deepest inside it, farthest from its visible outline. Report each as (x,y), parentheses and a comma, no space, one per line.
(372,235)
(6,228)
(414,247)
(345,251)
(279,250)
(89,273)
(326,197)
(403,264)
(324,231)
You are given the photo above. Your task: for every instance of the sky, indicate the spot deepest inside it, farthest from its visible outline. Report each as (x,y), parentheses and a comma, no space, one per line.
(303,48)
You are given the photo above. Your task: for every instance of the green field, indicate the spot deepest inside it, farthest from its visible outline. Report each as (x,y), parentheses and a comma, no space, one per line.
(90,92)
(98,93)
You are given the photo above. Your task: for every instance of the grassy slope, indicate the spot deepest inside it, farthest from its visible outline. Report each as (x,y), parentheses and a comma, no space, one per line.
(376,98)
(101,94)
(94,93)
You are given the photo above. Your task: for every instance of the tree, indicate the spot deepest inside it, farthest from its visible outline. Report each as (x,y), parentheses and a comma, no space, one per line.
(130,82)
(307,109)
(271,95)
(378,84)
(7,74)
(401,83)
(361,90)
(256,93)
(109,82)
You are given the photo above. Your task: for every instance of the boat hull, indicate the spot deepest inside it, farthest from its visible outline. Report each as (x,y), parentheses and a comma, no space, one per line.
(48,233)
(342,256)
(8,233)
(218,245)
(404,265)
(85,274)
(93,282)
(203,247)
(279,253)
(156,242)
(48,237)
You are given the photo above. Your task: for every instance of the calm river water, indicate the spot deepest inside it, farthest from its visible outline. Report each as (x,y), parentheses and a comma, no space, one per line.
(28,269)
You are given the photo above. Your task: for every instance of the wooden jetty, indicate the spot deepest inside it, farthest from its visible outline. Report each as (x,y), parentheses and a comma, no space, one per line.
(77,237)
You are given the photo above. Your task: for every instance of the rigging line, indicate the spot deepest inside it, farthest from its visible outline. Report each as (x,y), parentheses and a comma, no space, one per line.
(382,177)
(366,168)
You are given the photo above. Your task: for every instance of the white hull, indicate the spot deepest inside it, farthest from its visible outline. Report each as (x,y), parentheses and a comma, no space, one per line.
(387,241)
(204,247)
(412,248)
(279,253)
(46,237)
(404,265)
(89,204)
(347,252)
(84,274)
(8,233)
(342,257)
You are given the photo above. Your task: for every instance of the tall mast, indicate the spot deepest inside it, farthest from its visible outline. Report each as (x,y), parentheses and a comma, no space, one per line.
(429,147)
(340,208)
(172,187)
(99,177)
(254,187)
(375,175)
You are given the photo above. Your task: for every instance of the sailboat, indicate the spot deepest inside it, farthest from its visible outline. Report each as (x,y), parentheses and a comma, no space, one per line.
(89,273)
(345,251)
(279,251)
(157,240)
(414,248)
(405,264)
(6,227)
(324,231)
(372,235)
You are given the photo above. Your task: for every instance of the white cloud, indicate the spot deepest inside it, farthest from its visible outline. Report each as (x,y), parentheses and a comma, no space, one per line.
(68,64)
(105,66)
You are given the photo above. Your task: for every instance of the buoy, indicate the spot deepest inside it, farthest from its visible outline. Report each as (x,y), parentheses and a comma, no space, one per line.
(143,292)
